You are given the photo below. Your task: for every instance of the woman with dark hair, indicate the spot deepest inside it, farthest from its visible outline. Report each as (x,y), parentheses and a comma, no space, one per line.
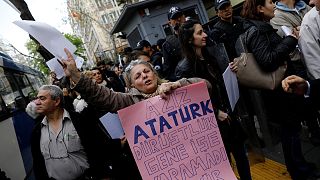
(271,52)
(198,62)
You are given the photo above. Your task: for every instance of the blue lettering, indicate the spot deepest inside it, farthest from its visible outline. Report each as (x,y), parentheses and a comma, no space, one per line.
(185,118)
(173,115)
(150,123)
(194,107)
(138,131)
(205,107)
(163,123)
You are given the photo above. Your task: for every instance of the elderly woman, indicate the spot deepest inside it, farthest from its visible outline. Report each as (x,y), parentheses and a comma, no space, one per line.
(142,81)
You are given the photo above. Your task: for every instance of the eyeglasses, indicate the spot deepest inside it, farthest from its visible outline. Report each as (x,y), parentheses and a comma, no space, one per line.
(63,151)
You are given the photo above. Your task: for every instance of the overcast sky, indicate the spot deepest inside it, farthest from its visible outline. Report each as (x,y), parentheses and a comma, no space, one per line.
(52,12)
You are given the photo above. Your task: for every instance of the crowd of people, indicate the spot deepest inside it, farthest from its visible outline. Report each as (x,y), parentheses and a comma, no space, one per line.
(65,145)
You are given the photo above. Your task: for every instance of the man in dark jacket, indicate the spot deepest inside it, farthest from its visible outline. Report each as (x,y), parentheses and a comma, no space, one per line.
(171,47)
(110,76)
(68,145)
(228,28)
(155,57)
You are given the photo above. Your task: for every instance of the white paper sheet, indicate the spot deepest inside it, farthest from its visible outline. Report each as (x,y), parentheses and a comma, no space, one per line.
(286,30)
(231,83)
(55,66)
(47,36)
(113,125)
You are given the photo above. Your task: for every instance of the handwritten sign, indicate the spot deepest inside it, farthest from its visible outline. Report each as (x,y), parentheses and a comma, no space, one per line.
(177,138)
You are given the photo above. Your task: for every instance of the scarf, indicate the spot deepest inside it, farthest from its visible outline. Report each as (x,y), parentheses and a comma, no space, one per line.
(147,96)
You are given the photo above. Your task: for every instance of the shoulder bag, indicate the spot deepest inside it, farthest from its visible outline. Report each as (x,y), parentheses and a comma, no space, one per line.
(249,73)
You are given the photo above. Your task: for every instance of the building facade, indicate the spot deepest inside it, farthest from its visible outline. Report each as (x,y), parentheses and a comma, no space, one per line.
(93,20)
(148,19)
(100,22)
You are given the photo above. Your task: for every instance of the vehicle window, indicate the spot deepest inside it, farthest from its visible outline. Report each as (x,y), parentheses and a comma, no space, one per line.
(8,90)
(23,84)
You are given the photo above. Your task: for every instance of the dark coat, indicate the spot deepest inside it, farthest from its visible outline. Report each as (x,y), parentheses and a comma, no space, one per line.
(228,33)
(314,92)
(270,52)
(97,144)
(156,60)
(269,49)
(172,55)
(231,131)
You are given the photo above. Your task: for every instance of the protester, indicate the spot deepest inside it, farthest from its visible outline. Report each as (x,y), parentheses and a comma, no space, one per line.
(289,13)
(155,57)
(171,47)
(270,52)
(309,41)
(54,80)
(142,81)
(228,28)
(198,63)
(65,145)
(107,77)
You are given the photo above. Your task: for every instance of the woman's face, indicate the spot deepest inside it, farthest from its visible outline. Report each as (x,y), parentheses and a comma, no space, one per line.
(143,79)
(97,76)
(199,36)
(268,9)
(117,71)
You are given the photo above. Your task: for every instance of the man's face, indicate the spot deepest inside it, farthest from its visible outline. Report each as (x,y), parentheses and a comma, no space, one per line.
(175,23)
(316,3)
(225,12)
(45,104)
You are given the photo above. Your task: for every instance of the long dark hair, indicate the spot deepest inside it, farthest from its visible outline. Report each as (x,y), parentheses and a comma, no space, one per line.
(186,31)
(250,10)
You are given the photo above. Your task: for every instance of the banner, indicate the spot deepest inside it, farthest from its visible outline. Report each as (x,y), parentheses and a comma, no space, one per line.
(177,138)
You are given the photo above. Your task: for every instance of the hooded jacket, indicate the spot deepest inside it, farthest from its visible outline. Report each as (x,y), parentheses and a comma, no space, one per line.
(284,16)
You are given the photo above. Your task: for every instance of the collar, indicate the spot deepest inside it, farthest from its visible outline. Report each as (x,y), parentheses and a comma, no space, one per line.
(299,6)
(65,116)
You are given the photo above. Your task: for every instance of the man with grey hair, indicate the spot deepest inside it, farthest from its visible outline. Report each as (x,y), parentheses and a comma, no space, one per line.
(66,144)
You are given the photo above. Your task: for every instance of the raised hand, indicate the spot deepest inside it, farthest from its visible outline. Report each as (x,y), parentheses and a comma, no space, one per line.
(70,67)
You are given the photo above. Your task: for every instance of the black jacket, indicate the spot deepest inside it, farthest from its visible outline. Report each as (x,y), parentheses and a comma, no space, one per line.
(172,54)
(272,51)
(228,33)
(208,69)
(314,92)
(269,49)
(156,60)
(100,149)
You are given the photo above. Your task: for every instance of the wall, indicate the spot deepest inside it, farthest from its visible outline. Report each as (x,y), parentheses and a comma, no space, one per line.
(150,26)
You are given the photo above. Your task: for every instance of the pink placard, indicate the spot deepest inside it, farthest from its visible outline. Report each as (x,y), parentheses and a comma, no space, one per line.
(177,138)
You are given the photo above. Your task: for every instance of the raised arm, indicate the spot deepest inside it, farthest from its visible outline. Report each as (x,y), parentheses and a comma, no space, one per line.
(101,98)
